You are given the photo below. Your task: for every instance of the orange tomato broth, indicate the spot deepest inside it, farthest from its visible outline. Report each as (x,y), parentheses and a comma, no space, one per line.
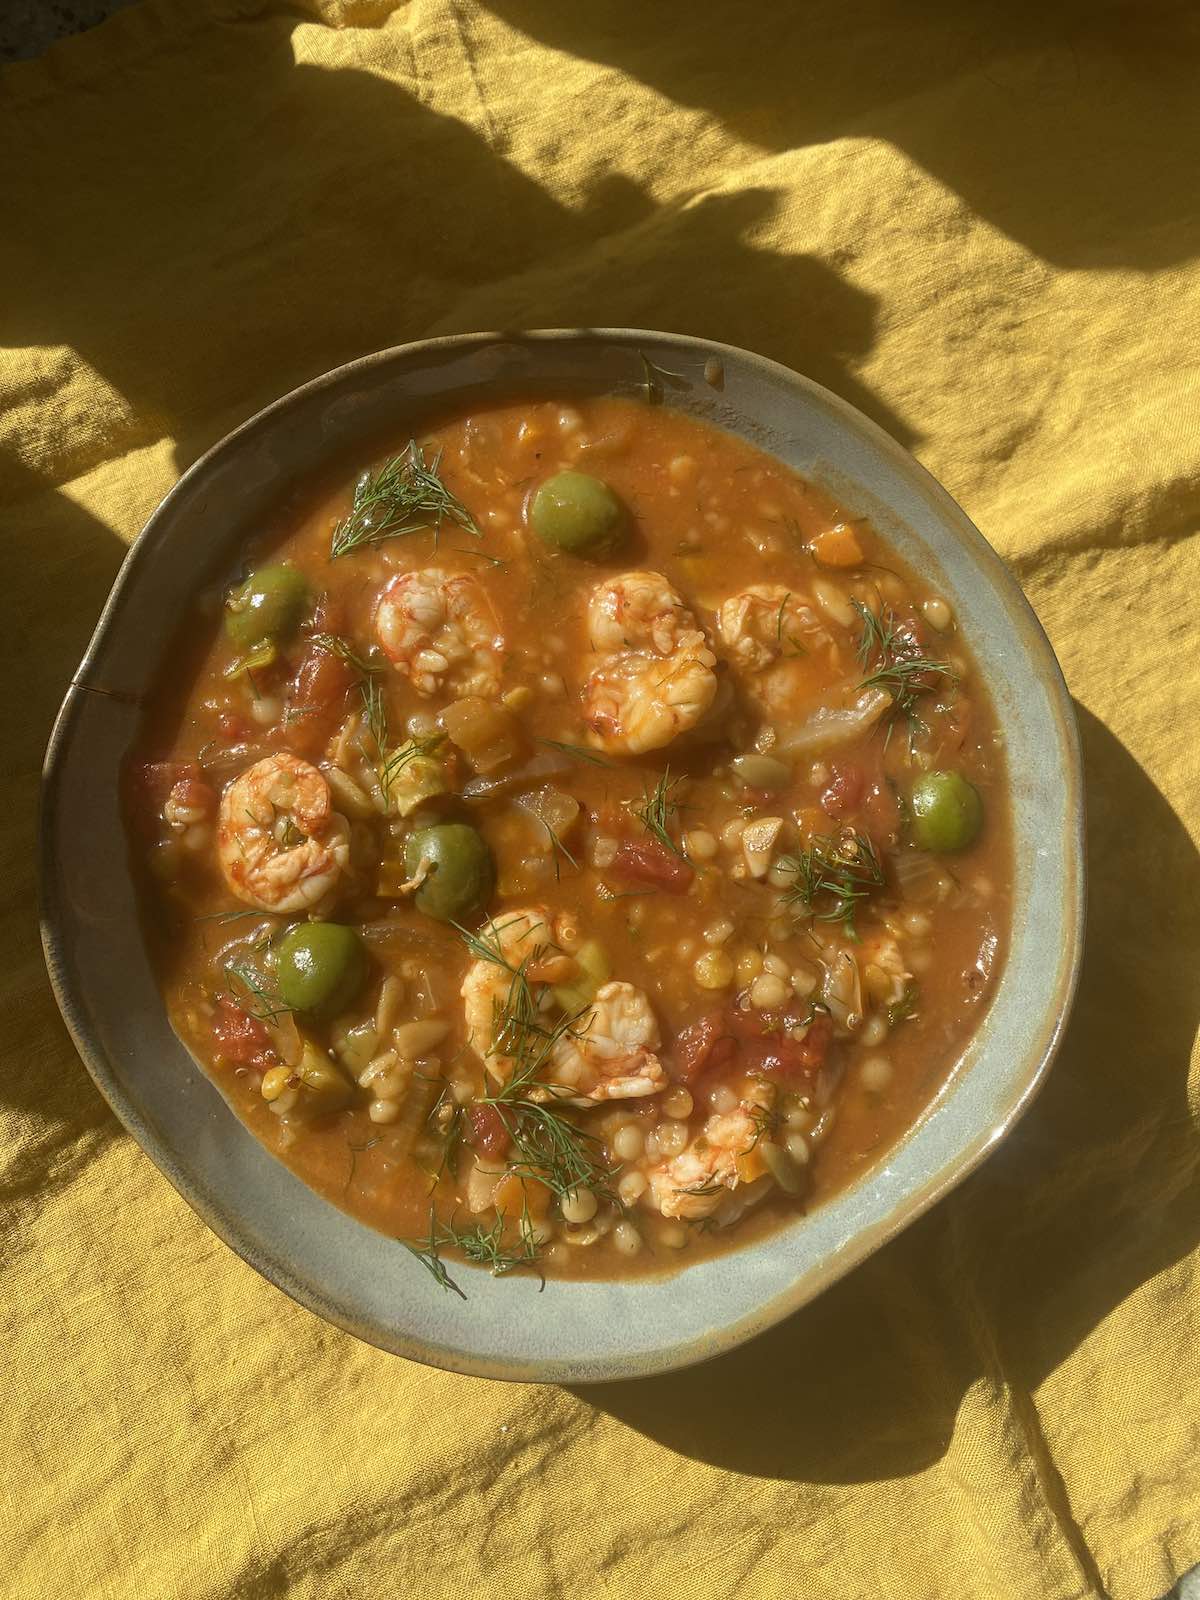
(831,1075)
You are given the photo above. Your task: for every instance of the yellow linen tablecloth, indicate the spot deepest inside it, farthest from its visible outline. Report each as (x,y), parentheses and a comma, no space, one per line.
(979,224)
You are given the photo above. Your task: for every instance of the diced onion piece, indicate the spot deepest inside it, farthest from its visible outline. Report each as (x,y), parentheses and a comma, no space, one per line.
(326,1086)
(918,874)
(285,1037)
(412,779)
(557,812)
(829,727)
(537,767)
(783,1167)
(416,1039)
(481,1186)
(483,730)
(843,992)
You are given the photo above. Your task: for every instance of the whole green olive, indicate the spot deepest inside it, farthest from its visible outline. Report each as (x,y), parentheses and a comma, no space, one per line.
(579,514)
(268,605)
(947,812)
(320,967)
(455,867)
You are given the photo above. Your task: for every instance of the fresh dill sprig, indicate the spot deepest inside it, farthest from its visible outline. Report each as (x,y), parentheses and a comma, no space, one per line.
(428,1254)
(357,1150)
(334,645)
(484,1246)
(708,1186)
(604,893)
(404,496)
(487,1247)
(659,808)
(765,1120)
(578,751)
(375,712)
(898,665)
(481,555)
(547,1145)
(558,848)
(834,876)
(551,1148)
(247,983)
(445,1122)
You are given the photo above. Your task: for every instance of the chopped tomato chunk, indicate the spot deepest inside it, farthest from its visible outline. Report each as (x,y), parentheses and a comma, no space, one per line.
(239,1037)
(844,793)
(487,1131)
(780,1056)
(752,1043)
(315,701)
(647,861)
(704,1044)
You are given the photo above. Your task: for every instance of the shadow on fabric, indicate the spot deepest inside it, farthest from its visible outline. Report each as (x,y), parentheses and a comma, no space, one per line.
(1005,1278)
(201,264)
(1073,128)
(54,549)
(205,270)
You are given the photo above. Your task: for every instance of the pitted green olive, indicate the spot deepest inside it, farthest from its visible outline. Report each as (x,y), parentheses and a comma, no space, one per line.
(320,967)
(577,513)
(268,605)
(947,812)
(455,867)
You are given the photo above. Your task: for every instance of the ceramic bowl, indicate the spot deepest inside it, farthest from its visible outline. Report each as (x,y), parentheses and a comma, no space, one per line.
(573,1332)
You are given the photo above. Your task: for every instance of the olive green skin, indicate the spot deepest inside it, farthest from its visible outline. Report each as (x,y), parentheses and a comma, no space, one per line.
(320,968)
(947,812)
(460,871)
(267,606)
(578,514)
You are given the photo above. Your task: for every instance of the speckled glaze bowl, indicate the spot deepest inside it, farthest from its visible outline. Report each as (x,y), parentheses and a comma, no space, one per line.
(573,1332)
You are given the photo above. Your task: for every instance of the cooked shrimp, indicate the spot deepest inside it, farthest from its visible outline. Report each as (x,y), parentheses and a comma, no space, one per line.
(634,702)
(637,611)
(281,845)
(693,1183)
(761,624)
(656,677)
(439,630)
(524,947)
(608,1053)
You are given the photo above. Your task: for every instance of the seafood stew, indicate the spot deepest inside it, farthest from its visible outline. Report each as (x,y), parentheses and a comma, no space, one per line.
(578,845)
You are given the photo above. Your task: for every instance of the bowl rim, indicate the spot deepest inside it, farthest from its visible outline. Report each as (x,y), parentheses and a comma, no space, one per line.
(53,917)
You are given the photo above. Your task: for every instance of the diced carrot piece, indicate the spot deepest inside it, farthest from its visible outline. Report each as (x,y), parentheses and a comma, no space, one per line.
(515,1194)
(837,546)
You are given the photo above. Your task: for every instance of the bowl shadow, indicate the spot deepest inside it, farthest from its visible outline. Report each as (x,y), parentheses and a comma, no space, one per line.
(1089,1198)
